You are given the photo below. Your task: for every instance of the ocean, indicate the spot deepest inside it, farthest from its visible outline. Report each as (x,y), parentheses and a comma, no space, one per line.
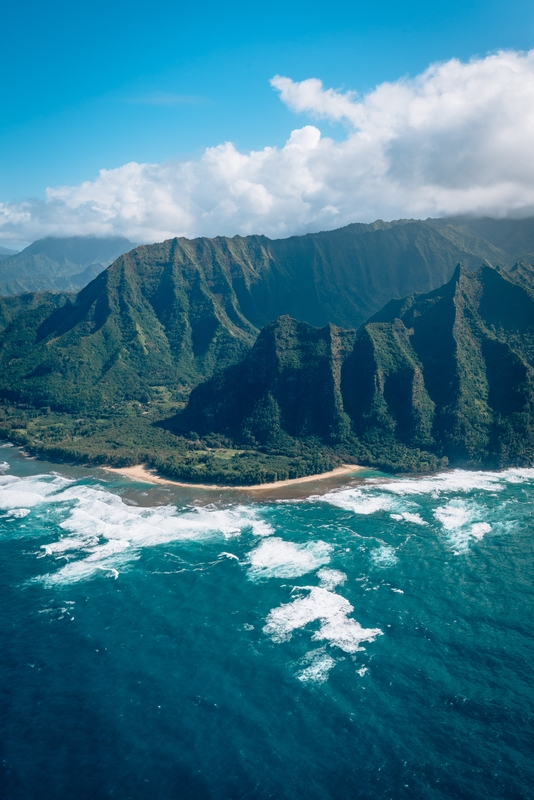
(370,638)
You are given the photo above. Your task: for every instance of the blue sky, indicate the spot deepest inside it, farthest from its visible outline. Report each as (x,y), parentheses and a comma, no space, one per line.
(75,71)
(93,86)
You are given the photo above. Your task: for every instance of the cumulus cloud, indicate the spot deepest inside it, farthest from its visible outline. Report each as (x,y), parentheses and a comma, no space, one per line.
(455,139)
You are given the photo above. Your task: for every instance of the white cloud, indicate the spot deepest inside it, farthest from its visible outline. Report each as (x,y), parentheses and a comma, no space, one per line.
(457,138)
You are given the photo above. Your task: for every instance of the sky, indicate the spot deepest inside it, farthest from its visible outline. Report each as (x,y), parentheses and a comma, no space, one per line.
(158,119)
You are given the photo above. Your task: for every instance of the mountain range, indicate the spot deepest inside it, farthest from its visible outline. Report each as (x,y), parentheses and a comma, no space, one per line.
(171,314)
(6,252)
(443,375)
(58,264)
(375,260)
(164,318)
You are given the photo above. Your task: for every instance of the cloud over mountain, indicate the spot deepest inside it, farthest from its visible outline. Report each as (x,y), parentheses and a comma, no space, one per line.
(457,138)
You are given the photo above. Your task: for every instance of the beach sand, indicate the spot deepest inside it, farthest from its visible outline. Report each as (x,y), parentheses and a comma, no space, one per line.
(144,475)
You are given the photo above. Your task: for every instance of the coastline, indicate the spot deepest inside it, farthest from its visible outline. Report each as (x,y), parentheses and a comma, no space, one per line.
(144,475)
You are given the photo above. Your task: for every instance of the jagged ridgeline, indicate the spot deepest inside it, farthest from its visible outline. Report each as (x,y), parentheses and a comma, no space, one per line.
(443,375)
(169,315)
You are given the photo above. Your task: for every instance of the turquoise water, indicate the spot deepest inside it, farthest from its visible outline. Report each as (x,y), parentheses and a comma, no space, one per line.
(372,641)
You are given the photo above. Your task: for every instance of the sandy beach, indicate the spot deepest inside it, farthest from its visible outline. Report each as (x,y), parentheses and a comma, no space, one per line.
(145,475)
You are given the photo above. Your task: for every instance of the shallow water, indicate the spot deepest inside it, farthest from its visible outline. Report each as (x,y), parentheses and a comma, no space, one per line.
(372,641)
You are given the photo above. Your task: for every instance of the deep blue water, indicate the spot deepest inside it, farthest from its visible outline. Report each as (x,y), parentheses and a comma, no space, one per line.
(375,641)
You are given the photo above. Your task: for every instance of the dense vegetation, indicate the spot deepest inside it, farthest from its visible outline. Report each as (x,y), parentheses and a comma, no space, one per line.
(166,316)
(441,377)
(133,434)
(101,376)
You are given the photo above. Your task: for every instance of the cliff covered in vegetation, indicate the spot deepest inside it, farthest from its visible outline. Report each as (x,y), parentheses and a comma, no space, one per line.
(446,375)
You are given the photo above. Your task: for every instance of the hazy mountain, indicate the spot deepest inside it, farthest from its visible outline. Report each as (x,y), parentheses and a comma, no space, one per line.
(514,237)
(55,264)
(5,252)
(449,373)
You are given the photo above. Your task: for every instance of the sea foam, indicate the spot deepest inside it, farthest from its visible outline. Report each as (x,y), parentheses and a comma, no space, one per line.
(461,523)
(384,556)
(277,558)
(330,610)
(107,533)
(317,665)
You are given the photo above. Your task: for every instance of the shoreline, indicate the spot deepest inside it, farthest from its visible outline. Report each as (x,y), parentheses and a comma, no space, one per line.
(144,475)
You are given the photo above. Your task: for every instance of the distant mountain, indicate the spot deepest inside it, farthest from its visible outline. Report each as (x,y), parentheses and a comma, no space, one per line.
(55,264)
(5,252)
(447,374)
(514,237)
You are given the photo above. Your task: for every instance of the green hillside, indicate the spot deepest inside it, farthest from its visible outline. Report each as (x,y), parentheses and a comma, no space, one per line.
(11,307)
(418,383)
(171,314)
(139,326)
(444,375)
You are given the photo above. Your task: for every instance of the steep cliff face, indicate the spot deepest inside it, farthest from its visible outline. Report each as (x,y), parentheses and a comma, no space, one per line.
(141,324)
(339,277)
(449,374)
(172,314)
(289,382)
(473,341)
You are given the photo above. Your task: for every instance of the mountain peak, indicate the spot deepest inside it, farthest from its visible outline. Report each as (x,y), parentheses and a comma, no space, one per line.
(422,380)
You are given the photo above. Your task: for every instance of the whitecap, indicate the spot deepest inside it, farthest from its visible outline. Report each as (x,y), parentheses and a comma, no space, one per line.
(330,578)
(455,514)
(318,666)
(407,516)
(359,501)
(229,555)
(384,556)
(457,480)
(84,569)
(18,513)
(28,492)
(460,520)
(100,523)
(328,608)
(68,543)
(479,529)
(276,558)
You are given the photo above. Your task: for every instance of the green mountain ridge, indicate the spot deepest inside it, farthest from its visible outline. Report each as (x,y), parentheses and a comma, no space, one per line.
(171,314)
(415,385)
(442,376)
